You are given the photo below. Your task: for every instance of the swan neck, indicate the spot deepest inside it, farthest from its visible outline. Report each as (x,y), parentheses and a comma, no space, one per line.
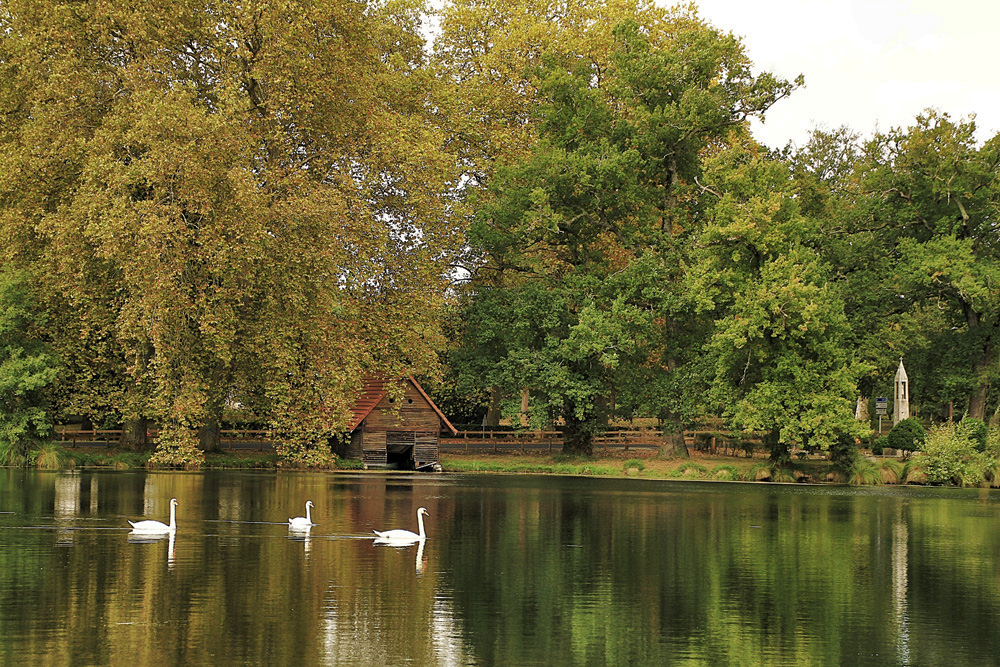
(173,516)
(420,525)
(308,514)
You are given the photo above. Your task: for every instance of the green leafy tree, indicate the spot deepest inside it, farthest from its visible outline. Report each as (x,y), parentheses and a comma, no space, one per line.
(928,196)
(782,364)
(28,368)
(582,243)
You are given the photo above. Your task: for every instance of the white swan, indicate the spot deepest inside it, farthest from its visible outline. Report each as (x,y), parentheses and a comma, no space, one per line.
(150,526)
(302,522)
(399,535)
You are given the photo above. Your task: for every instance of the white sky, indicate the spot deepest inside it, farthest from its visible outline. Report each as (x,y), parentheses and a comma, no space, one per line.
(869,64)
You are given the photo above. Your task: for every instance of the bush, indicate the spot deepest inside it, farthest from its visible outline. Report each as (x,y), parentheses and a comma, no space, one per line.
(50,456)
(864,472)
(908,435)
(974,430)
(913,473)
(950,457)
(891,471)
(350,464)
(28,368)
(761,472)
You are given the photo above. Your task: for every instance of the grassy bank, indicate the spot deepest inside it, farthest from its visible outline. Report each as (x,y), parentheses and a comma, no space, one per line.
(643,464)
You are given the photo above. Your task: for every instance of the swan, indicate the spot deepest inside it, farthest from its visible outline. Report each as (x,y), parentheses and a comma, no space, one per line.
(302,522)
(399,535)
(150,526)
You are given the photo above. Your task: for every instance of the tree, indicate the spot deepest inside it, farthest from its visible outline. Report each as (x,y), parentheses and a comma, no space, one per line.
(782,364)
(581,243)
(914,239)
(255,199)
(28,368)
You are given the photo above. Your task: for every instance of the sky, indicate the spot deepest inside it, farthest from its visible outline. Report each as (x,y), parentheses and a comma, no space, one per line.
(871,65)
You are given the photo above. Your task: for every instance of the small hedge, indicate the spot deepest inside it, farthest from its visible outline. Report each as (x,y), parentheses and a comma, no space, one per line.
(908,435)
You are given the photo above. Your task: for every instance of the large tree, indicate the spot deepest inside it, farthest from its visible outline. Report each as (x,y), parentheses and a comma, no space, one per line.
(582,242)
(910,222)
(783,363)
(250,201)
(933,197)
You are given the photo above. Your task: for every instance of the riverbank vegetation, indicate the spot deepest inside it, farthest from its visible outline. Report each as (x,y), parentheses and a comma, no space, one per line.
(961,455)
(551,213)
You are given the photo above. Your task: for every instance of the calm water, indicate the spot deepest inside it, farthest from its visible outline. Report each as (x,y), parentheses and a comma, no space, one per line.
(516,571)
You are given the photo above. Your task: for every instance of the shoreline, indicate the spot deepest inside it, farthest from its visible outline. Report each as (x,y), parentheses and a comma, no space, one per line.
(633,464)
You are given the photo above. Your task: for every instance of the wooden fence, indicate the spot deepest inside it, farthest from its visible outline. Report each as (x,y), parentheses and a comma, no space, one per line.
(525,441)
(467,441)
(230,438)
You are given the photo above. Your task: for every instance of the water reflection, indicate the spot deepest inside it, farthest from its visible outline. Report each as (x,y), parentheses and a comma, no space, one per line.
(900,568)
(302,534)
(517,571)
(140,537)
(66,507)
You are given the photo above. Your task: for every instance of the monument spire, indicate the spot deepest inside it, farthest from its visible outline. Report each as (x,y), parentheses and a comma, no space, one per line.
(901,404)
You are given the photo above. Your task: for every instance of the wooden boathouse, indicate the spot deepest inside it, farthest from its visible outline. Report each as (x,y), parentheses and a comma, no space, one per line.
(397,427)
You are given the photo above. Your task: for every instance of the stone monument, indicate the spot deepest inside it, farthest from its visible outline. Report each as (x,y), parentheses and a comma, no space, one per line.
(901,405)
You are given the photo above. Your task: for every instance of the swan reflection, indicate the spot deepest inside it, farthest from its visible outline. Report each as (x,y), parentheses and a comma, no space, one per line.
(399,543)
(141,537)
(301,534)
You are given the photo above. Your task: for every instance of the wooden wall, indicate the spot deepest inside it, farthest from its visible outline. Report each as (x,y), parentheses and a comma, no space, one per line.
(415,414)
(415,423)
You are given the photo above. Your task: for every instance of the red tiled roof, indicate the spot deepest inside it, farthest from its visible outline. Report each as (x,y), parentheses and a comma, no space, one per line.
(373,390)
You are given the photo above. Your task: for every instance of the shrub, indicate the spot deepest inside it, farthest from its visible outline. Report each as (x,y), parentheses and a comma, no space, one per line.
(177,447)
(891,471)
(908,435)
(864,472)
(950,457)
(761,472)
(913,472)
(28,368)
(350,464)
(50,456)
(974,430)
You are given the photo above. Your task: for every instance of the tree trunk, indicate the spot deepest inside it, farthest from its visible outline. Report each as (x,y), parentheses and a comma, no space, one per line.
(673,440)
(135,434)
(578,436)
(977,403)
(208,436)
(493,411)
(780,455)
(861,410)
(980,365)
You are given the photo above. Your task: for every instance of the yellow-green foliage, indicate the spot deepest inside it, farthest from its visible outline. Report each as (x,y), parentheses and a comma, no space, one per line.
(950,456)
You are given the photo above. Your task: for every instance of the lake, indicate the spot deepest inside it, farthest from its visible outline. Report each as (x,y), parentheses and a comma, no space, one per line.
(516,570)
